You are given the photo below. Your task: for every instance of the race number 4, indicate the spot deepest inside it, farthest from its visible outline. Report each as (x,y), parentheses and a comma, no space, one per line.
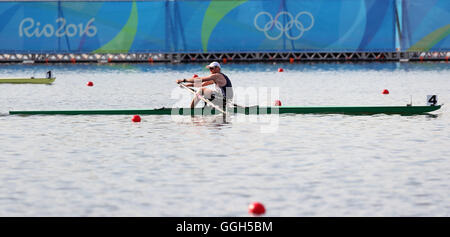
(431,100)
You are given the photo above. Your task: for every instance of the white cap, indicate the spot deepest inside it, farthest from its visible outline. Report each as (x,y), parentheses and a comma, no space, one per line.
(213,64)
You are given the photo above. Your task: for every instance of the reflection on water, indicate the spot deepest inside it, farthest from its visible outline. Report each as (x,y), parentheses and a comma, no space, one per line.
(217,121)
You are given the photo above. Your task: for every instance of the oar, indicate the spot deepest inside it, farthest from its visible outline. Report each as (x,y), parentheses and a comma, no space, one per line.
(203,98)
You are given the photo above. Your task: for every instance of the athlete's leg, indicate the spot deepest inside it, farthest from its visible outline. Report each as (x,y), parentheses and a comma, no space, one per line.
(203,91)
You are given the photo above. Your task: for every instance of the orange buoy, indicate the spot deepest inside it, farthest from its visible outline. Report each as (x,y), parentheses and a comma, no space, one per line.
(256,208)
(90,83)
(291,60)
(224,60)
(385,92)
(136,118)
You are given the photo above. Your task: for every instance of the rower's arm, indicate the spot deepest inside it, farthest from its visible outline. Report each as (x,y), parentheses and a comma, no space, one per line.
(207,83)
(196,80)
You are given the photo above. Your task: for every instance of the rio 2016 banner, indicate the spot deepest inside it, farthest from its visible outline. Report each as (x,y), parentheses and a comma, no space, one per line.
(201,26)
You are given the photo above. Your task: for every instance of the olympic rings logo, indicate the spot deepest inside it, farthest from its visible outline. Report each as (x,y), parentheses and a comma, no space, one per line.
(286,28)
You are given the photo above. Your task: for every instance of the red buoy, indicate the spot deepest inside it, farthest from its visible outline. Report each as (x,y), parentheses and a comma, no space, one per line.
(256,208)
(136,118)
(385,92)
(195,75)
(280,69)
(277,103)
(90,83)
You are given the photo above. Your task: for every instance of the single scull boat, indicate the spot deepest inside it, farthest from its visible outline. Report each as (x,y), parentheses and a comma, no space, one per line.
(48,80)
(350,110)
(27,80)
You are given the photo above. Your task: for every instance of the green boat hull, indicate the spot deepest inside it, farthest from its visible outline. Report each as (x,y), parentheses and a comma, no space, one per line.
(27,80)
(353,110)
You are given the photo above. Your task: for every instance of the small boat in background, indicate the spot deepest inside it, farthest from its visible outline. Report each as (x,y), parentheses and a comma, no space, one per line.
(48,80)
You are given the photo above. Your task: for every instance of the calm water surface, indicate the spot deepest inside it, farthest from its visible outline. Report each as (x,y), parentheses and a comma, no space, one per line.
(297,165)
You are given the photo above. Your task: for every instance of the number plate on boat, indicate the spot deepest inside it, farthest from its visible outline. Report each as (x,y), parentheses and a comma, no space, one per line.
(431,99)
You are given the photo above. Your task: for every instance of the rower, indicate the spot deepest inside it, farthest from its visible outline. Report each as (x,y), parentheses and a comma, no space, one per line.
(221,95)
(49,74)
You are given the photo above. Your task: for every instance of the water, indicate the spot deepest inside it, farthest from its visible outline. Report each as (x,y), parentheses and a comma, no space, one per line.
(308,165)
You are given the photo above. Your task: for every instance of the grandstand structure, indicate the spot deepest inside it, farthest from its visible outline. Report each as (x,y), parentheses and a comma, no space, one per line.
(223,57)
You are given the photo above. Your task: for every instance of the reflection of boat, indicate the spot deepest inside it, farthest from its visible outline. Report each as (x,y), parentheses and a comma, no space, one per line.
(351,110)
(48,80)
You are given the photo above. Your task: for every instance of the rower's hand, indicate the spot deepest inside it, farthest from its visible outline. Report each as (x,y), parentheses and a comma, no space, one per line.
(179,81)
